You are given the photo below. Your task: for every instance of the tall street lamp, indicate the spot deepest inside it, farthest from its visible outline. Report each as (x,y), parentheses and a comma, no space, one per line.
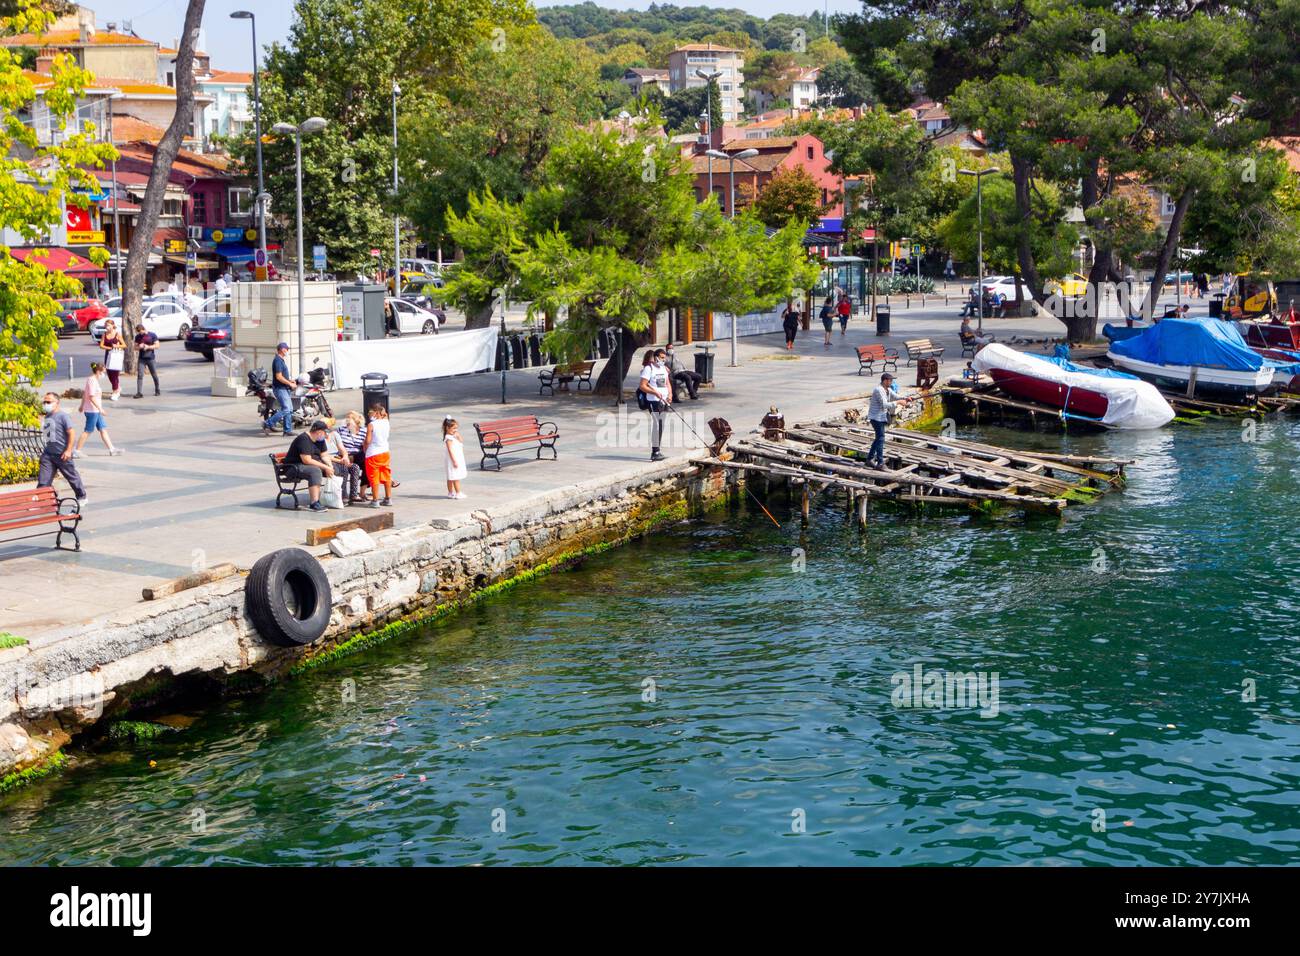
(313,124)
(731,208)
(708,79)
(397,219)
(979,212)
(257,129)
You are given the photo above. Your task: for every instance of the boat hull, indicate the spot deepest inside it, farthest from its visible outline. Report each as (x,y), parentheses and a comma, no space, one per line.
(1076,401)
(1233,382)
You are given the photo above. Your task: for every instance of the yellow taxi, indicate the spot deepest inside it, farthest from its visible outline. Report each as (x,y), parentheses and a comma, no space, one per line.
(1072,285)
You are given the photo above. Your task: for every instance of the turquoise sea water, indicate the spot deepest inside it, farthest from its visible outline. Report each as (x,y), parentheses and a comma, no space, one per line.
(1128,641)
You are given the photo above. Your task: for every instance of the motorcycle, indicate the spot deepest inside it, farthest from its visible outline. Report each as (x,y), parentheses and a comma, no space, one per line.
(309,401)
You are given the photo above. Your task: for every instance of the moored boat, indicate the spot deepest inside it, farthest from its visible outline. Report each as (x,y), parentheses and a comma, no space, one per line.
(1099,395)
(1196,355)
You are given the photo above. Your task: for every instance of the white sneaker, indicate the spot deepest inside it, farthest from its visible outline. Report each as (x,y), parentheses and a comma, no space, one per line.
(76,454)
(461,494)
(114,397)
(116,451)
(82,502)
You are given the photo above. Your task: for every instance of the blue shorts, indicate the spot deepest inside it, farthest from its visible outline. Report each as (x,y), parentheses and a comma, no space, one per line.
(95,422)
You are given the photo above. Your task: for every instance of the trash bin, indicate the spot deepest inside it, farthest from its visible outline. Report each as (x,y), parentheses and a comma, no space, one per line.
(1216,305)
(704,364)
(882,320)
(374,390)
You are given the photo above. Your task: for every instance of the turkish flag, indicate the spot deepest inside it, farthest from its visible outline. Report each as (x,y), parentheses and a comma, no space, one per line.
(77,219)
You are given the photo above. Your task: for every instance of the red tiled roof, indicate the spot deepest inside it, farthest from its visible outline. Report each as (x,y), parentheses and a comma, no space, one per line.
(232,77)
(69,38)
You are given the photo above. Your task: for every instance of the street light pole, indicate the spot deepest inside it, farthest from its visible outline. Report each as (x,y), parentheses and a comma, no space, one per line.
(397,219)
(313,124)
(257,129)
(979,212)
(731,209)
(708,79)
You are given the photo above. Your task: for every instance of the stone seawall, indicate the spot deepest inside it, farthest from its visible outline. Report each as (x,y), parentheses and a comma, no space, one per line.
(53,691)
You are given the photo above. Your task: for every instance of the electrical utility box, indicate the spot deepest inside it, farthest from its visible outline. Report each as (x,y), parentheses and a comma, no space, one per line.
(363,312)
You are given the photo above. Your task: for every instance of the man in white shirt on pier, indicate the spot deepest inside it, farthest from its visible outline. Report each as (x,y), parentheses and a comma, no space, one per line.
(882,404)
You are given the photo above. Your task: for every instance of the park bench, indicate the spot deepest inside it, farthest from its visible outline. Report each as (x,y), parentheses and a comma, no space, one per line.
(495,438)
(869,355)
(286,480)
(968,344)
(922,348)
(562,375)
(36,507)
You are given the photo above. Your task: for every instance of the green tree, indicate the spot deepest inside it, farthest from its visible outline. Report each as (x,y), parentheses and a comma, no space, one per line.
(683,109)
(1247,219)
(340,62)
(791,195)
(843,85)
(492,129)
(30,195)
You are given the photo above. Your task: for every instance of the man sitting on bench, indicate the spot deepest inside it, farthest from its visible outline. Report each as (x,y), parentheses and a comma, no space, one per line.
(683,378)
(968,332)
(304,458)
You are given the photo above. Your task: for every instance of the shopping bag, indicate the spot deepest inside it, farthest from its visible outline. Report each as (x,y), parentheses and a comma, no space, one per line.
(115,359)
(331,492)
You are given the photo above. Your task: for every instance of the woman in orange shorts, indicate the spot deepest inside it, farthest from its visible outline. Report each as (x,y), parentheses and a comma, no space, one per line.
(379,469)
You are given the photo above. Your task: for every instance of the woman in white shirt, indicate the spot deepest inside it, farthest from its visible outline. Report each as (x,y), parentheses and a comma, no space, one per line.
(657,397)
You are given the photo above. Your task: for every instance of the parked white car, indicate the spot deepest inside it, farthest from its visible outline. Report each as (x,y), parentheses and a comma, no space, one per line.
(164,319)
(411,318)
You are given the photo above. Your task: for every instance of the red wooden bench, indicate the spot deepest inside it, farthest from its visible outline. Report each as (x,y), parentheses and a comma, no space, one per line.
(868,355)
(503,435)
(39,506)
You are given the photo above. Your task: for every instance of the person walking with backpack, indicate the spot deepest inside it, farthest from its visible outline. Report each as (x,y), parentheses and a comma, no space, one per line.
(654,395)
(828,320)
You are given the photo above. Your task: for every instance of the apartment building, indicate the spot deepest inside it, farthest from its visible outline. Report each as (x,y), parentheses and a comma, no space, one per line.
(686,63)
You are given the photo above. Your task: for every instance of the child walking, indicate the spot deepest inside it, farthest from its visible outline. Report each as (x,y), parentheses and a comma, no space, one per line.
(92,406)
(455,457)
(379,470)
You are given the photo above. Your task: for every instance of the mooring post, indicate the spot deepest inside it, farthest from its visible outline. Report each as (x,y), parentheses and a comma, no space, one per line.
(862,511)
(803,507)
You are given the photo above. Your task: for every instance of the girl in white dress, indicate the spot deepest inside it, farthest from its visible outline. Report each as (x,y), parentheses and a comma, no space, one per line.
(455,457)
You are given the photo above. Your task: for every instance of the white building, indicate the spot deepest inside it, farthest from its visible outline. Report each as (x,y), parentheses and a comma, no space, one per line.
(687,62)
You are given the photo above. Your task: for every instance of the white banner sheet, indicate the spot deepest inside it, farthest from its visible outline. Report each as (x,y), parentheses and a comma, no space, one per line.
(410,358)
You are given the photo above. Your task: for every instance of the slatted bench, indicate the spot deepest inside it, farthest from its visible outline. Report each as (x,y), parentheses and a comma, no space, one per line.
(969,346)
(922,348)
(562,375)
(286,481)
(495,438)
(869,355)
(36,507)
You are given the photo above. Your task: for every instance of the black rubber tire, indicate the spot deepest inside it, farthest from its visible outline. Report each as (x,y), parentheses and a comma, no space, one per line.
(185,330)
(287,597)
(430,327)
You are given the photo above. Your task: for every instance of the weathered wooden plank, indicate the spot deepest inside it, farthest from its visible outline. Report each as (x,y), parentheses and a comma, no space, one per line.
(376,521)
(214,573)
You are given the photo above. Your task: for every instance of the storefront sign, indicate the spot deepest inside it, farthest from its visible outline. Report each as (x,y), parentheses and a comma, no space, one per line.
(88,237)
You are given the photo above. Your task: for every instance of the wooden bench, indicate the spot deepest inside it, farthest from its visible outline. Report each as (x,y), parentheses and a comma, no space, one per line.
(287,482)
(922,348)
(36,507)
(562,375)
(869,355)
(506,434)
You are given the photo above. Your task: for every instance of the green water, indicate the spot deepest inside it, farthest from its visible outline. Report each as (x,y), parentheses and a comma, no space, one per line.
(1120,636)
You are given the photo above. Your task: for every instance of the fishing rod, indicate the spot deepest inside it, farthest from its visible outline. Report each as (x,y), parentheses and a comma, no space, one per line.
(700,438)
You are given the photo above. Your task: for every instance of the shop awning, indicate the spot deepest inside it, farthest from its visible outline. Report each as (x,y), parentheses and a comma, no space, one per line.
(194,264)
(60,260)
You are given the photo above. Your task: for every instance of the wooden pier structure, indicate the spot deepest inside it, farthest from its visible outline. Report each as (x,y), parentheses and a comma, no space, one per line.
(920,469)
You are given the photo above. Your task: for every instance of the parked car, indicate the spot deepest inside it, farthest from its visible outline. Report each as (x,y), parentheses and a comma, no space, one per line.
(1072,285)
(214,330)
(1174,278)
(427,266)
(1001,285)
(163,318)
(68,324)
(411,318)
(83,311)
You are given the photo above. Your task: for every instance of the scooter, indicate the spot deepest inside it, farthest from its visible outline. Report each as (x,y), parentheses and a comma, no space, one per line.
(309,402)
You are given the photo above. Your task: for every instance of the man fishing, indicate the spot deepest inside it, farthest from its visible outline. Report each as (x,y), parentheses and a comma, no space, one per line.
(878,412)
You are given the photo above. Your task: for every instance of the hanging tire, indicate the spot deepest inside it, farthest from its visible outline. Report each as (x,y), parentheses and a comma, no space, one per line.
(288,598)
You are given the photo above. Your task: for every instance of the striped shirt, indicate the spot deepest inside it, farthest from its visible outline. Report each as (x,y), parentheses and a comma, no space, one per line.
(352,441)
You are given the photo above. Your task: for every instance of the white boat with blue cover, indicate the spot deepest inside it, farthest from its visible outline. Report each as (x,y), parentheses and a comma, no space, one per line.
(1175,353)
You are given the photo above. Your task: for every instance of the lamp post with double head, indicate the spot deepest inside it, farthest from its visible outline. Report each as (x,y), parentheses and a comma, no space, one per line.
(731,211)
(308,126)
(397,219)
(709,79)
(979,213)
(257,130)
